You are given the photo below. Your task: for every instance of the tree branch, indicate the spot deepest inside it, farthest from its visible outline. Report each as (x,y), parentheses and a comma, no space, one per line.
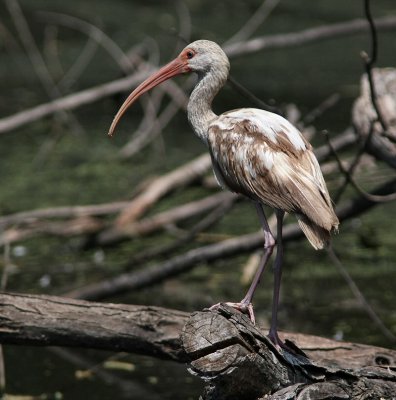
(369,62)
(348,178)
(71,101)
(182,263)
(162,185)
(312,35)
(237,49)
(62,212)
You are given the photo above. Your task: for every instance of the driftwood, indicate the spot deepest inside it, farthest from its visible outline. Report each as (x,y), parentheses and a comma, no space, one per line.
(222,347)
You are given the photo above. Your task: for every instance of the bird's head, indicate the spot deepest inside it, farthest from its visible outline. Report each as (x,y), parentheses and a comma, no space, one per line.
(201,56)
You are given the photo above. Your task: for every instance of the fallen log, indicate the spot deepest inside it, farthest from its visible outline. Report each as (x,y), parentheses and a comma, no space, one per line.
(222,347)
(238,361)
(41,320)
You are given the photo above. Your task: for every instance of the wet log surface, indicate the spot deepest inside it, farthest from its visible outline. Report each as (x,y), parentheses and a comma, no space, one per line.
(222,347)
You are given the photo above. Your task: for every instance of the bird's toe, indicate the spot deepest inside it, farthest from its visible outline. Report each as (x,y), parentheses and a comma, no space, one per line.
(245,308)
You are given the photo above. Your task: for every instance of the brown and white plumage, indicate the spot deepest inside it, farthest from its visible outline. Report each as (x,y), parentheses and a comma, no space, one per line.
(262,156)
(255,153)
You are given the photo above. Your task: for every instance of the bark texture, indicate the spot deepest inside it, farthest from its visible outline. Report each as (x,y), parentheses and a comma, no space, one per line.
(238,362)
(222,347)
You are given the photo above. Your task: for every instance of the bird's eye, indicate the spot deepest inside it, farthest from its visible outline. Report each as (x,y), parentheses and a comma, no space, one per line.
(190,54)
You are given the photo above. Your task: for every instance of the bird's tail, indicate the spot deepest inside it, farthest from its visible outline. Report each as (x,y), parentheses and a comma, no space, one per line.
(319,237)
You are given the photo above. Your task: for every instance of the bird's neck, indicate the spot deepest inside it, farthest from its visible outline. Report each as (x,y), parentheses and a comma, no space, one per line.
(199,109)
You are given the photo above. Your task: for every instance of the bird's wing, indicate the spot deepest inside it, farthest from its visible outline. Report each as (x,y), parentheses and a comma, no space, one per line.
(264,157)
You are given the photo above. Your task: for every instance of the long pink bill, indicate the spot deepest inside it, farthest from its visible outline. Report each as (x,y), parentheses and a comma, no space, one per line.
(175,67)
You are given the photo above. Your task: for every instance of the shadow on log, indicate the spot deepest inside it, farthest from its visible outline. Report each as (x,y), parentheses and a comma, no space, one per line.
(222,347)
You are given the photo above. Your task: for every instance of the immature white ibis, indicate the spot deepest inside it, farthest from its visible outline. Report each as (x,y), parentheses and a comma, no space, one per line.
(256,153)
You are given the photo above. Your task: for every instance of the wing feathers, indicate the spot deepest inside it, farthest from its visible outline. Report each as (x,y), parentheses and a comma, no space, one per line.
(262,156)
(317,236)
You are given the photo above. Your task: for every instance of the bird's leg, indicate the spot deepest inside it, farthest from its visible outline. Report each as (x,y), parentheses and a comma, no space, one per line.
(245,305)
(273,332)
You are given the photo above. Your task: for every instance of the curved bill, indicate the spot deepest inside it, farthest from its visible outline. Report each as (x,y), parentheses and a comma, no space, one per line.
(175,67)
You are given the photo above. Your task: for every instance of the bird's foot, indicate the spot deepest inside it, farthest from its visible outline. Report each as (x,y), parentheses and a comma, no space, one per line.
(288,347)
(276,340)
(243,307)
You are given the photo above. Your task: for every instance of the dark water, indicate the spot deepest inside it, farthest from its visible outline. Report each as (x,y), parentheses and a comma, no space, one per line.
(50,163)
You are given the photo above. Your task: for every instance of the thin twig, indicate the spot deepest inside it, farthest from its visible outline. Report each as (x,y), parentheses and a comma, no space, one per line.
(126,62)
(359,295)
(353,164)
(185,25)
(37,60)
(325,105)
(311,35)
(162,185)
(208,221)
(369,62)
(165,218)
(51,51)
(143,134)
(62,212)
(350,179)
(254,22)
(147,133)
(31,48)
(251,97)
(71,101)
(151,125)
(92,31)
(80,64)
